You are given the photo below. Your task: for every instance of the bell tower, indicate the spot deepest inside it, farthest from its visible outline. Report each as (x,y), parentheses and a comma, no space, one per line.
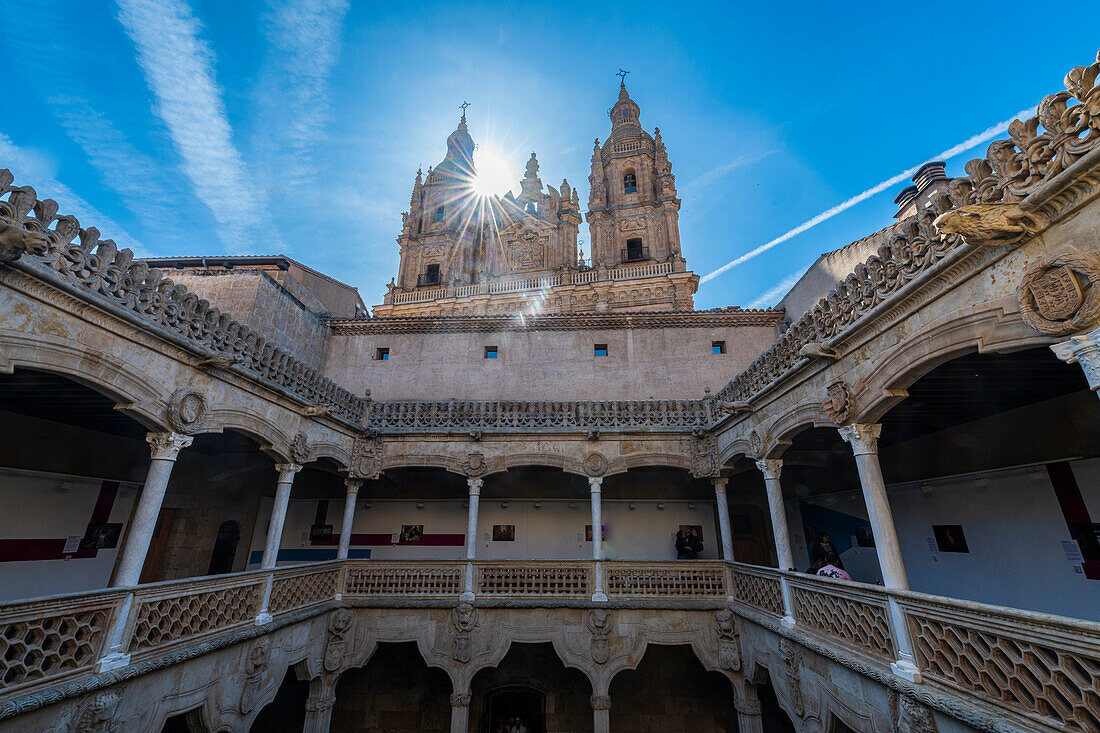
(633,211)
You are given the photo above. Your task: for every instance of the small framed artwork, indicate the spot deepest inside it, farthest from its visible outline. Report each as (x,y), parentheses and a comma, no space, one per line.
(504,533)
(950,538)
(412,532)
(101,536)
(588,532)
(320,533)
(864,538)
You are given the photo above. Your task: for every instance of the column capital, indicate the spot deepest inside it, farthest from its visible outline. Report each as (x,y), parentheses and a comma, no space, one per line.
(353,485)
(166,446)
(746,706)
(474,484)
(601,702)
(770,467)
(595,482)
(862,436)
(720,484)
(1083,349)
(287,470)
(460,699)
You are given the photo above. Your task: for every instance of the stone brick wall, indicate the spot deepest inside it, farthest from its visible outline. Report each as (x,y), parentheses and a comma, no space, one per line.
(396,692)
(284,312)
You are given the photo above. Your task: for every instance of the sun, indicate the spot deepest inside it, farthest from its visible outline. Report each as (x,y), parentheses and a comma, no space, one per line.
(495,173)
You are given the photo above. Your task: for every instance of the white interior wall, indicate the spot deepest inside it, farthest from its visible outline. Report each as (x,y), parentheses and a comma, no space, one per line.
(42,506)
(553,531)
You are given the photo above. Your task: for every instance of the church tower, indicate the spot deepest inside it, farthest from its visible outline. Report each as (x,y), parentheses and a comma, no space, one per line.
(633,211)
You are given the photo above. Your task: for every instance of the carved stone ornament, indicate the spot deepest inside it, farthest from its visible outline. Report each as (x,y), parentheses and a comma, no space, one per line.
(255,674)
(600,702)
(792,663)
(98,714)
(15,240)
(600,624)
(187,410)
(300,449)
(595,464)
(756,443)
(704,457)
(463,619)
(339,628)
(838,406)
(909,715)
(366,459)
(1060,294)
(474,465)
(460,699)
(729,643)
(988,224)
(526,251)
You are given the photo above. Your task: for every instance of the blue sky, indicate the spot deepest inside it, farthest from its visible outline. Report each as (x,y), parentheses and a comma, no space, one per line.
(296,126)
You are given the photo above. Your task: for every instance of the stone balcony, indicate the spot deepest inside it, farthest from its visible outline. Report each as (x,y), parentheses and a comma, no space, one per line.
(666,286)
(996,668)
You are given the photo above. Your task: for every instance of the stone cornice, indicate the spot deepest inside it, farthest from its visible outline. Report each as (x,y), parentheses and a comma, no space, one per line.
(558,322)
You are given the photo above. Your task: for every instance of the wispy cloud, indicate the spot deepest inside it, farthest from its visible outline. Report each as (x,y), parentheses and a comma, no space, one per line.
(179,69)
(30,169)
(305,38)
(971,142)
(701,182)
(772,295)
(134,175)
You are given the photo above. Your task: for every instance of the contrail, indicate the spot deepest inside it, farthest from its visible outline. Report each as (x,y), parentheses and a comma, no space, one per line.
(971,142)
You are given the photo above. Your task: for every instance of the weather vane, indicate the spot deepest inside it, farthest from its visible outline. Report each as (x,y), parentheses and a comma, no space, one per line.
(463,107)
(622,76)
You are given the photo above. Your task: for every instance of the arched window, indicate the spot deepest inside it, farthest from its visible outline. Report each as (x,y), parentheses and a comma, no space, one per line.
(630,183)
(626,115)
(438,214)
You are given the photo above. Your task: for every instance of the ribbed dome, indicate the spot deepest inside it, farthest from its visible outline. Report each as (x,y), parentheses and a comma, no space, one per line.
(460,145)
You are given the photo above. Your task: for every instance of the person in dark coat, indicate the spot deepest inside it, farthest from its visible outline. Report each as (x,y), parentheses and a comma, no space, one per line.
(688,544)
(824,552)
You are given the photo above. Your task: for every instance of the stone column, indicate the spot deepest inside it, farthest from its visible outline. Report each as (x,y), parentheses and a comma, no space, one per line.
(322,697)
(287,472)
(864,441)
(353,484)
(595,489)
(1084,350)
(748,716)
(460,712)
(601,713)
(474,485)
(723,517)
(164,447)
(772,468)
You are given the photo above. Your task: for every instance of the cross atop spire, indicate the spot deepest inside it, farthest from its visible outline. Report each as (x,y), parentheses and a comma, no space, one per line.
(463,107)
(621,73)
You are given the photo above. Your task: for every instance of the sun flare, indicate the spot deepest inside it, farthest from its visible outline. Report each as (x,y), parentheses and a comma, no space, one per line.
(495,173)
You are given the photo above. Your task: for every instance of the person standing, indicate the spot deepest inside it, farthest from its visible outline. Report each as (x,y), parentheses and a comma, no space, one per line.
(688,544)
(825,553)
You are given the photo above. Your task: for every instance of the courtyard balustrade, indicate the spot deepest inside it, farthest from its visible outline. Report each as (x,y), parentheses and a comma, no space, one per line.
(1041,666)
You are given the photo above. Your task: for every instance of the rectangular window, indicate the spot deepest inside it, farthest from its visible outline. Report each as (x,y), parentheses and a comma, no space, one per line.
(601,349)
(382,354)
(718,347)
(439,214)
(490,352)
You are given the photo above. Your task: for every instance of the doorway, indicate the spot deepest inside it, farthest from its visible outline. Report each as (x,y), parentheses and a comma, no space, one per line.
(514,709)
(225,548)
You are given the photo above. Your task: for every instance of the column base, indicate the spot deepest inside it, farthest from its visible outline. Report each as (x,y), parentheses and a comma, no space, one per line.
(787,622)
(599,597)
(114,660)
(906,670)
(263,618)
(467,596)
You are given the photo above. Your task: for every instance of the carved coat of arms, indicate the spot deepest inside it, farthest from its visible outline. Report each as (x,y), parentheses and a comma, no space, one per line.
(1057,293)
(525,252)
(839,405)
(1060,294)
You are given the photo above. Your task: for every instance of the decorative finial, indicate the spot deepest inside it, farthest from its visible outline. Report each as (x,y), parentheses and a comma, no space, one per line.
(622,78)
(463,107)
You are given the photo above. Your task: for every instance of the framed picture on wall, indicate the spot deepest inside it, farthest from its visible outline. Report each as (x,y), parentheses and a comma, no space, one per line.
(588,532)
(504,533)
(950,538)
(412,532)
(864,538)
(101,536)
(320,533)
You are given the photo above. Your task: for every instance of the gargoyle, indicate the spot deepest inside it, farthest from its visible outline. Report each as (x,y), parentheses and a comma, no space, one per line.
(987,224)
(15,240)
(817,348)
(732,408)
(219,361)
(318,409)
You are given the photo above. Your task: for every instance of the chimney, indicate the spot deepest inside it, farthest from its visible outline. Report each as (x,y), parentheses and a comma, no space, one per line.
(905,200)
(928,174)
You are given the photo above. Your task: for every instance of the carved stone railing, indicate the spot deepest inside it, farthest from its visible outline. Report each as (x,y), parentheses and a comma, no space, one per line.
(1041,671)
(1012,170)
(853,612)
(97,270)
(504,415)
(1045,668)
(694,580)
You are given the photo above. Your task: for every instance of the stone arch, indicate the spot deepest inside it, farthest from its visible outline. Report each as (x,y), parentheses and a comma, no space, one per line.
(623,464)
(415,460)
(336,452)
(988,330)
(568,464)
(134,391)
(272,439)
